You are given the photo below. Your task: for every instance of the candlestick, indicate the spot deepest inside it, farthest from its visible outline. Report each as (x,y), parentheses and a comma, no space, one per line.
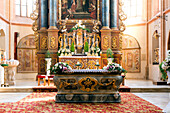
(0,57)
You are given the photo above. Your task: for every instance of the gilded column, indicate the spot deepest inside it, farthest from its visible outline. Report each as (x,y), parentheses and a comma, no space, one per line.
(53,13)
(113,14)
(44,14)
(105,14)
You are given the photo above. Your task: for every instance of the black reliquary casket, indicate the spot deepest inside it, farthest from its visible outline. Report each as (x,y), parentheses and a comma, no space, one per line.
(88,86)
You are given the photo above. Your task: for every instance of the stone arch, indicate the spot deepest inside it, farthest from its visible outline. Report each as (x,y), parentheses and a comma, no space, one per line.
(131,58)
(26,54)
(2,39)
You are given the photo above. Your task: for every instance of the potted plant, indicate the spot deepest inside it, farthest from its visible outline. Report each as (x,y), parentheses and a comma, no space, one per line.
(165,68)
(72,48)
(109,56)
(86,48)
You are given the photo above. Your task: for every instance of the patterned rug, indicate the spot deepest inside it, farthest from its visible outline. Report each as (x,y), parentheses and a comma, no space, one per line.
(45,103)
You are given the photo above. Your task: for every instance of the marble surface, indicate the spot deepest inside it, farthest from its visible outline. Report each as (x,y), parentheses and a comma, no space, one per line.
(6,97)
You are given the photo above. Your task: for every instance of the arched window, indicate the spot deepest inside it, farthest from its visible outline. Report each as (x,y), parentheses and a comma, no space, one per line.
(24,7)
(133,8)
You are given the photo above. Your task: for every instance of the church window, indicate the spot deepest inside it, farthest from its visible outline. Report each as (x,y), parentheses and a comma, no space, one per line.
(24,7)
(133,8)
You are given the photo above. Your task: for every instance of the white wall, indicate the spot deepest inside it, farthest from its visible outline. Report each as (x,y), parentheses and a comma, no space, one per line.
(139,32)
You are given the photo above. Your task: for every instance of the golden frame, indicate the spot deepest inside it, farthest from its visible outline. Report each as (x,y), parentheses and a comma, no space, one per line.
(75,20)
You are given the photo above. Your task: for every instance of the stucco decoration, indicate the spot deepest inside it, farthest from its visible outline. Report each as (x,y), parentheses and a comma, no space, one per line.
(26,54)
(131,59)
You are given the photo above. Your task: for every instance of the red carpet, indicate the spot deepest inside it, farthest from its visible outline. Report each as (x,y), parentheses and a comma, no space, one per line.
(45,102)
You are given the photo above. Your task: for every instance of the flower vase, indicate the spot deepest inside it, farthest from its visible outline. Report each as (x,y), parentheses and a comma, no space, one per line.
(168,74)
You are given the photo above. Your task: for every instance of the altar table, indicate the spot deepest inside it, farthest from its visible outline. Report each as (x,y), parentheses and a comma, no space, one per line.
(88,86)
(85,61)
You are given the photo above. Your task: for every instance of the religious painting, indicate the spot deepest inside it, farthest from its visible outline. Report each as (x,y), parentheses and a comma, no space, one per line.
(79,9)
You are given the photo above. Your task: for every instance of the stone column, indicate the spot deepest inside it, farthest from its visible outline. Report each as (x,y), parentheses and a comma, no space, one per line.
(113,14)
(44,14)
(53,14)
(105,14)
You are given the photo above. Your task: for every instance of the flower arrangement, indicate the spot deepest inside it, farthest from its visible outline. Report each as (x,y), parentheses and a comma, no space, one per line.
(115,67)
(59,68)
(165,67)
(79,26)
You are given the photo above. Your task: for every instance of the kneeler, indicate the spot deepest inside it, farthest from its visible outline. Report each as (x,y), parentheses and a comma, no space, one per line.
(43,77)
(51,76)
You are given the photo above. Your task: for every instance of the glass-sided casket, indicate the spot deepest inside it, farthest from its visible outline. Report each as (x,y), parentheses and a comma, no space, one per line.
(88,86)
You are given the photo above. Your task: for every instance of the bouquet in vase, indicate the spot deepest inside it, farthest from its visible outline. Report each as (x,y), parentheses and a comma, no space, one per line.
(115,68)
(59,68)
(165,68)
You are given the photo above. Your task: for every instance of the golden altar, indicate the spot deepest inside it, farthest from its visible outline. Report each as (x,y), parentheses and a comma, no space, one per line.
(87,62)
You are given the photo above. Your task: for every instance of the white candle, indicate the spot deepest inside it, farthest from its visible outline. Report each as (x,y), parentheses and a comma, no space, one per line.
(78,62)
(0,56)
(4,57)
(97,63)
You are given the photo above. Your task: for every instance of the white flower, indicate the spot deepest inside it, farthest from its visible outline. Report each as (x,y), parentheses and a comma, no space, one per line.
(63,50)
(116,65)
(60,67)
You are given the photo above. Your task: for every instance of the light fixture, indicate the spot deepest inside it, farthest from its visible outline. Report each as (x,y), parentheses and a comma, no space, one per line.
(156,34)
(165,17)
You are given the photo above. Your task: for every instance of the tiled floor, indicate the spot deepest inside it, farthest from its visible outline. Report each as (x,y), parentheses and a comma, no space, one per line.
(161,100)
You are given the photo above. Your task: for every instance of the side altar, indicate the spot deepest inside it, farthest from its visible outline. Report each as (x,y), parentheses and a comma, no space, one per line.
(88,86)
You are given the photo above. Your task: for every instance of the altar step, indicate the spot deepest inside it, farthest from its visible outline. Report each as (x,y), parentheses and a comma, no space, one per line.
(53,89)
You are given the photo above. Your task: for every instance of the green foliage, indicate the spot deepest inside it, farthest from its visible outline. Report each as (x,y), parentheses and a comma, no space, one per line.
(162,71)
(86,48)
(109,53)
(72,47)
(47,55)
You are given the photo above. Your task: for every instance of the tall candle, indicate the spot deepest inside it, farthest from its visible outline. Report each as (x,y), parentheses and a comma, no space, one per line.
(4,57)
(0,56)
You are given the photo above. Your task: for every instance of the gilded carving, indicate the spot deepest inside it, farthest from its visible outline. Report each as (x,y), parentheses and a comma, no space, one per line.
(120,42)
(114,42)
(52,42)
(122,17)
(91,64)
(34,16)
(88,84)
(44,42)
(107,82)
(106,42)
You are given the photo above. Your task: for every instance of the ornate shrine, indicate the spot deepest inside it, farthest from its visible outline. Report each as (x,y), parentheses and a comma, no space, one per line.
(74,33)
(59,23)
